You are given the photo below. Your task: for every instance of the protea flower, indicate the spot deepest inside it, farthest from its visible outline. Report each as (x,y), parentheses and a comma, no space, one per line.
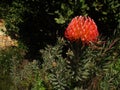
(82,28)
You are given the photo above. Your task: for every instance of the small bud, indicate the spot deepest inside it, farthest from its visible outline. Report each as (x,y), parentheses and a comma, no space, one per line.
(54,64)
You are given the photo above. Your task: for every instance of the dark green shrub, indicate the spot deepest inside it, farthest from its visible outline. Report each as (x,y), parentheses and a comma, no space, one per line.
(18,73)
(83,68)
(9,56)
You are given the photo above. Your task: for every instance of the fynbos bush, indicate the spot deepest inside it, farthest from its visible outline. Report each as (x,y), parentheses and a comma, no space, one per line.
(87,60)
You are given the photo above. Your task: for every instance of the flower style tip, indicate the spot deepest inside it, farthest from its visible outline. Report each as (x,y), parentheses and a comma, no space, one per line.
(82,28)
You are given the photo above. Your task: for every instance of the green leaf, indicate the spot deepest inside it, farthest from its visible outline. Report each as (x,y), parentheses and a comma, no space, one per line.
(104,13)
(60,20)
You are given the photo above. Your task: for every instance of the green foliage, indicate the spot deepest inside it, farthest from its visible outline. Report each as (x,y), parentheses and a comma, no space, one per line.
(18,73)
(24,75)
(107,11)
(39,84)
(83,68)
(7,57)
(69,9)
(111,78)
(54,67)
(107,7)
(12,13)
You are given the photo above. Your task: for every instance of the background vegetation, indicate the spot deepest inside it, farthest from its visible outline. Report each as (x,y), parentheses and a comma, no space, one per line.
(41,60)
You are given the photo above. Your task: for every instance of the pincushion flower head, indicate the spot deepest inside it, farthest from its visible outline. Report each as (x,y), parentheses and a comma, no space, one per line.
(82,28)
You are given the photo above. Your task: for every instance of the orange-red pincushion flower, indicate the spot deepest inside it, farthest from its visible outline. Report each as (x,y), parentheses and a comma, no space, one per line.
(82,28)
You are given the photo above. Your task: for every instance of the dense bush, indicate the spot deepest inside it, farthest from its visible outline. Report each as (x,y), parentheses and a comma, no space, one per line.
(86,70)
(18,73)
(9,57)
